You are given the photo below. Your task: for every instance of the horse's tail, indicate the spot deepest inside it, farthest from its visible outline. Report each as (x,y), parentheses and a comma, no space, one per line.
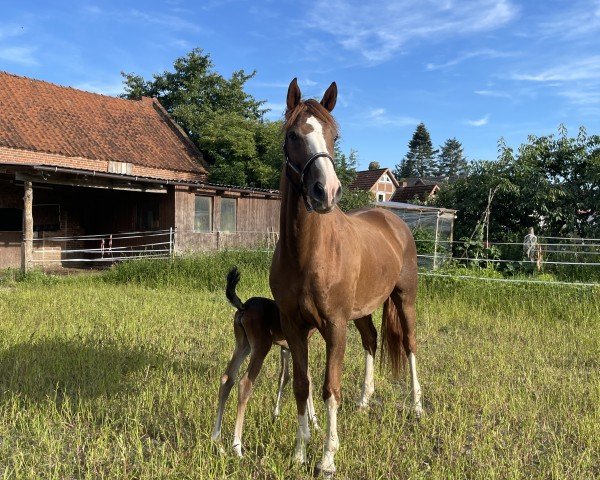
(233,278)
(392,337)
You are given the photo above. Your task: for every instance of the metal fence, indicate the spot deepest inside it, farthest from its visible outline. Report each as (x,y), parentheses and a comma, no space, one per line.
(102,248)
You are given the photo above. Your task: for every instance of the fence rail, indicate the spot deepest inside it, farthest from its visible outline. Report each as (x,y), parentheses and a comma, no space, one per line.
(103,248)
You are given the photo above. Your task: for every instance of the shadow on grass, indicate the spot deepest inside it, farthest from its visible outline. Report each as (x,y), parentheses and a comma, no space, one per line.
(83,368)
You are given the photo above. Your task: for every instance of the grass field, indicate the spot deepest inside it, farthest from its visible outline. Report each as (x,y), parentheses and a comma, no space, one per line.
(115,375)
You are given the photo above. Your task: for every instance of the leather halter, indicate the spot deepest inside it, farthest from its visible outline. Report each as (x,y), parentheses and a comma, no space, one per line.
(299,187)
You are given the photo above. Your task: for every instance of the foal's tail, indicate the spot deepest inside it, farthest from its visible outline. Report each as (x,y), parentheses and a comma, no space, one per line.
(233,278)
(392,337)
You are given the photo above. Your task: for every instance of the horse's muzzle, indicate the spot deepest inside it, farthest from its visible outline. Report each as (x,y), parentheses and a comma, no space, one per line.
(324,198)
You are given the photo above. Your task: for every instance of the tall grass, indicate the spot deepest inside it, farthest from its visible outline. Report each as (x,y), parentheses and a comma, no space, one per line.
(116,375)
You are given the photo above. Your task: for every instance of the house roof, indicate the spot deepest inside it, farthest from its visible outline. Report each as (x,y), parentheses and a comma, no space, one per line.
(365,179)
(61,122)
(405,194)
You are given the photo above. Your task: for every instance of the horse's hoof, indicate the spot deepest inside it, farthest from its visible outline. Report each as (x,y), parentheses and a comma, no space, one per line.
(237,449)
(419,412)
(328,472)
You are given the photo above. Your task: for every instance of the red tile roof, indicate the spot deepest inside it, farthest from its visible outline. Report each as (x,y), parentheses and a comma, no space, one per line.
(422,192)
(365,179)
(42,117)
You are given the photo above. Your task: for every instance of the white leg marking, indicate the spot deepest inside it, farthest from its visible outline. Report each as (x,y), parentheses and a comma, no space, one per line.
(332,443)
(216,434)
(416,387)
(302,438)
(310,405)
(369,383)
(283,378)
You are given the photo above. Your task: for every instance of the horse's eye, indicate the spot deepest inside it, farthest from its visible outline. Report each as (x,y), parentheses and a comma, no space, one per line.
(292,136)
(337,137)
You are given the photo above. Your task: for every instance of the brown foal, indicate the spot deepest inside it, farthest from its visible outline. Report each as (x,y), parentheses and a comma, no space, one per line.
(330,268)
(256,327)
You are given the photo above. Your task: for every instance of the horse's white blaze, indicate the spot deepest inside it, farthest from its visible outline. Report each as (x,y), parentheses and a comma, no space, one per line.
(302,438)
(332,442)
(416,386)
(315,141)
(369,384)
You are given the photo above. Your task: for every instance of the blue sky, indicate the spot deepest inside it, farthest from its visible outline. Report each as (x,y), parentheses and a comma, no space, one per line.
(476,70)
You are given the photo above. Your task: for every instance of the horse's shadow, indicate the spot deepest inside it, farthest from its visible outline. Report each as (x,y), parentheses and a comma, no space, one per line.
(80,368)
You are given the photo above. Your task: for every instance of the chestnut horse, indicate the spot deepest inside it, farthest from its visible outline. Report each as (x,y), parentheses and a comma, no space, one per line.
(330,268)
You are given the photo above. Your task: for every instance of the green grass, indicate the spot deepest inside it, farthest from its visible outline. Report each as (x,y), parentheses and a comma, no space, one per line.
(115,375)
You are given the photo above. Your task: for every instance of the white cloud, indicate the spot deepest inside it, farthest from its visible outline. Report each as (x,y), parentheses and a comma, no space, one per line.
(479,122)
(379,29)
(380,118)
(276,110)
(485,53)
(587,68)
(170,21)
(493,93)
(7,31)
(107,88)
(582,96)
(19,55)
(582,19)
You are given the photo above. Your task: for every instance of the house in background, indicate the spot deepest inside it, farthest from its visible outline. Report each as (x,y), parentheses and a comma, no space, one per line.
(419,192)
(381,182)
(75,165)
(421,188)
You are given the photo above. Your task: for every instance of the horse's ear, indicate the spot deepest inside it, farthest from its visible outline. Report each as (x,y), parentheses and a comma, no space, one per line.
(330,97)
(294,95)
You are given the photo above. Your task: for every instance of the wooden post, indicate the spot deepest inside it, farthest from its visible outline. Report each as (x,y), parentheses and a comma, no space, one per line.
(27,245)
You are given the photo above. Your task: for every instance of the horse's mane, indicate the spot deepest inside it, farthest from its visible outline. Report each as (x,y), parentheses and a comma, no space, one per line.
(311,107)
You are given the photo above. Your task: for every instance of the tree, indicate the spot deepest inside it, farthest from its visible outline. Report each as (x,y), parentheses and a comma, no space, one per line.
(345,168)
(420,159)
(224,121)
(551,183)
(451,160)
(374,166)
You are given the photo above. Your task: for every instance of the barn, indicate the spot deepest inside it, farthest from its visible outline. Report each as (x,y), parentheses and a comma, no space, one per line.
(89,177)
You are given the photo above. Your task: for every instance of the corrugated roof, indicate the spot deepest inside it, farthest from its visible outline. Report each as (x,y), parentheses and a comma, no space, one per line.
(43,117)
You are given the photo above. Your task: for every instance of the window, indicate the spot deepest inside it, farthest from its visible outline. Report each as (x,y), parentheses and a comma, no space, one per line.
(203,214)
(228,215)
(381,197)
(11,220)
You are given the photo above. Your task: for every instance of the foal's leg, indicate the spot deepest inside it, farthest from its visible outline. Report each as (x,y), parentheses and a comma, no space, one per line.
(242,349)
(405,304)
(335,340)
(257,357)
(284,376)
(297,338)
(368,334)
(310,405)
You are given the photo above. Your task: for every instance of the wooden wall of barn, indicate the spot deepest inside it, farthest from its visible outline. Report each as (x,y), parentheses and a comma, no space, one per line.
(257,223)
